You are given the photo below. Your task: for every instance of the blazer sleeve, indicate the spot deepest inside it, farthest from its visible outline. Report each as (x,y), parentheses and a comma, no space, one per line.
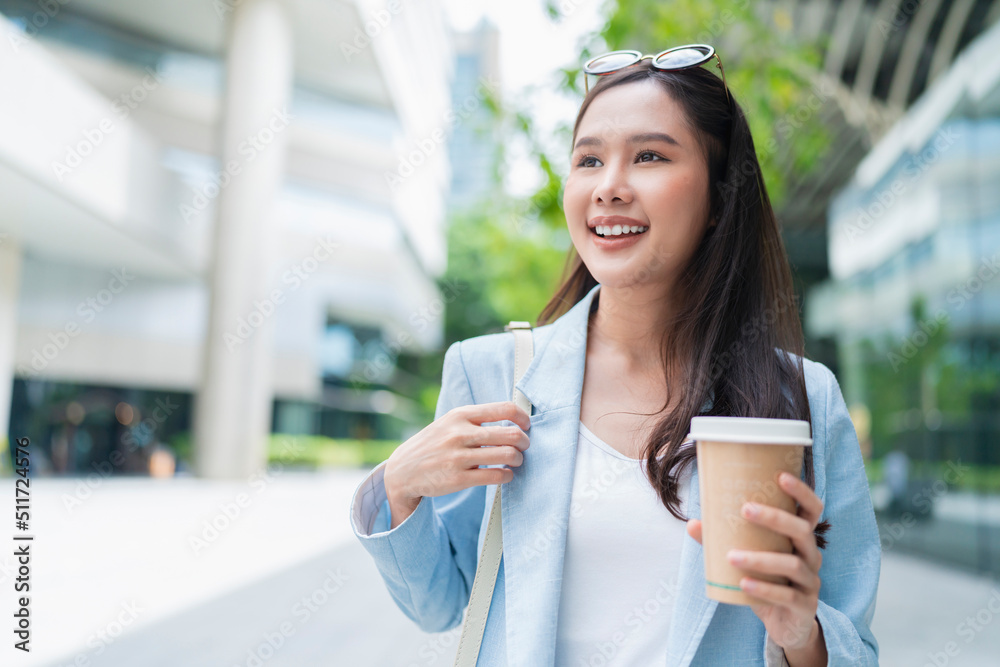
(428,562)
(852,559)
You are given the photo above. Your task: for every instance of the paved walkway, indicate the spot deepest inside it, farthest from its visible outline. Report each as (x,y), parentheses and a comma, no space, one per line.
(121,580)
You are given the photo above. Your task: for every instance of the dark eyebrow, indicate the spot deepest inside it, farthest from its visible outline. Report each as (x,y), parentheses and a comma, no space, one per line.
(634,139)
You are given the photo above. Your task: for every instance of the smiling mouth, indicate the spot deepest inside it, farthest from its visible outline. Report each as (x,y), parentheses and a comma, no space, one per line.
(616,231)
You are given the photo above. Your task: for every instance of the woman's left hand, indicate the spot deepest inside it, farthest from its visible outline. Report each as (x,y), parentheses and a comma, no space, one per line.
(788,611)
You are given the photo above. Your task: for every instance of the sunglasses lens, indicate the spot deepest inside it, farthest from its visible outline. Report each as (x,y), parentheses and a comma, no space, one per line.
(609,62)
(681,58)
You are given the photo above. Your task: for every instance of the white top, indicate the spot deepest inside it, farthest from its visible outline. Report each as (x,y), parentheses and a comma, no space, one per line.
(622,557)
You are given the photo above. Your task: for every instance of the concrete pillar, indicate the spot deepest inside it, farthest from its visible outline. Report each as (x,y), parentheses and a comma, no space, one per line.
(232,414)
(10,286)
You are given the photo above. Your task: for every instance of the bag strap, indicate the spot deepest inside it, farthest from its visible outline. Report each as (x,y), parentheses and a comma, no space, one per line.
(489,559)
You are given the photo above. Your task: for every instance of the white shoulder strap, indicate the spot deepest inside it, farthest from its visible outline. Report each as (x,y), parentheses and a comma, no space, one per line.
(489,560)
(523,351)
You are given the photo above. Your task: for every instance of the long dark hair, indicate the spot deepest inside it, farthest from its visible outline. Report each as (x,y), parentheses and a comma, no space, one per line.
(736,301)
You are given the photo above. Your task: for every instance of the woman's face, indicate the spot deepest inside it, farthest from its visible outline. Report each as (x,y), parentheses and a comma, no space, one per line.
(636,157)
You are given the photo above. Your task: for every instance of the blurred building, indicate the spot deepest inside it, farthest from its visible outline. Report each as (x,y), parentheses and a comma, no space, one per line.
(221,207)
(878,57)
(472,145)
(913,305)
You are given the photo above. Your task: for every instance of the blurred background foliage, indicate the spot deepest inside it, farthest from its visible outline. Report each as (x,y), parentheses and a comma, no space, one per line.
(926,395)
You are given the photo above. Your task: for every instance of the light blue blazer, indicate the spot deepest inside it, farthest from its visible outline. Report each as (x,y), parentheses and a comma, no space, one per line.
(428,562)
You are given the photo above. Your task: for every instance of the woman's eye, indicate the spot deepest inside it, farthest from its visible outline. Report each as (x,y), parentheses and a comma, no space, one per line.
(585,161)
(642,153)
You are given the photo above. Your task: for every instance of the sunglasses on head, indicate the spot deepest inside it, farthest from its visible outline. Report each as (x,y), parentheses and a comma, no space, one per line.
(676,58)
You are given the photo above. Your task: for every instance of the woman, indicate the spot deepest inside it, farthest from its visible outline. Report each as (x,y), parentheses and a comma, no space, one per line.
(692,312)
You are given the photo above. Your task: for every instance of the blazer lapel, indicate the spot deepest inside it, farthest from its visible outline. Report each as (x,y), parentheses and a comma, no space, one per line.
(535,506)
(535,503)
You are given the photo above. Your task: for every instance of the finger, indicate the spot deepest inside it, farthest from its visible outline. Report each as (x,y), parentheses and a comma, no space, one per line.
(779,594)
(487,476)
(494,412)
(810,506)
(503,455)
(792,566)
(496,436)
(694,529)
(798,529)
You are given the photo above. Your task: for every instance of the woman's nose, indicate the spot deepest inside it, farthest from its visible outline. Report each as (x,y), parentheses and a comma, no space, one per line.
(613,185)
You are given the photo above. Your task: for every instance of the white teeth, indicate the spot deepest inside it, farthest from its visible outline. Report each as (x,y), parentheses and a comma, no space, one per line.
(618,230)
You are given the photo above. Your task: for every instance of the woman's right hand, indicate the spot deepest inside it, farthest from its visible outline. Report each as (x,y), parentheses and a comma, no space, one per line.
(444,456)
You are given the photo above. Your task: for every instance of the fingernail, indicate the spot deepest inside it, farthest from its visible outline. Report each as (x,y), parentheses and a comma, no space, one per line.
(749,585)
(736,556)
(751,509)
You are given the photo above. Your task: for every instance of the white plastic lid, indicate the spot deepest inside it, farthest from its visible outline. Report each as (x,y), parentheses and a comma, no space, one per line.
(751,430)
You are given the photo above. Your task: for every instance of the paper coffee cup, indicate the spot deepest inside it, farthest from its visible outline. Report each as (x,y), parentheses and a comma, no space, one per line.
(739,461)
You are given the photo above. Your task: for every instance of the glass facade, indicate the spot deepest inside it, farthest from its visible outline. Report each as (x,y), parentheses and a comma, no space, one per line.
(914,310)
